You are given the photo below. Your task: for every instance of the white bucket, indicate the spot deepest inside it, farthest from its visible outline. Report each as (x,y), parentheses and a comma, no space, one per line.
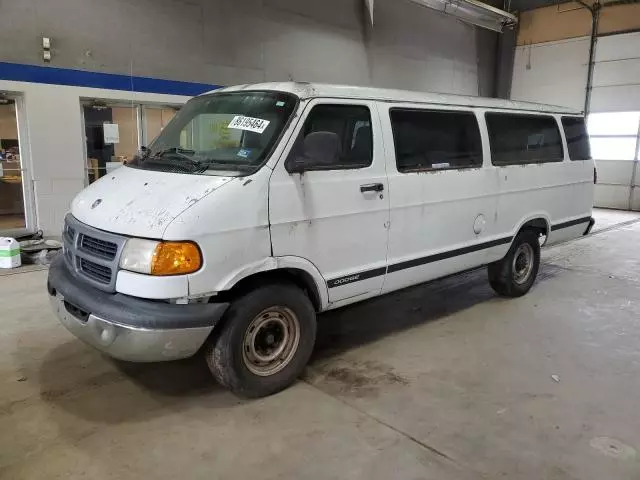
(9,253)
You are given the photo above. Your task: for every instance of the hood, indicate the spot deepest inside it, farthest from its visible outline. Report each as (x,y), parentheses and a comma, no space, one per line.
(141,203)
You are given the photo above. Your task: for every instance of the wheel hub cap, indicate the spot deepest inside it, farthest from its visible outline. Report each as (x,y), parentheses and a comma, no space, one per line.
(523,263)
(271,340)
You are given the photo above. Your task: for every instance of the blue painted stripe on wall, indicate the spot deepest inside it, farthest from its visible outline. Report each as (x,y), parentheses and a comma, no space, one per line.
(80,78)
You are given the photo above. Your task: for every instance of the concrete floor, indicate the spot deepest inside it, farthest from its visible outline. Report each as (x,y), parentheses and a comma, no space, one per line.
(445,381)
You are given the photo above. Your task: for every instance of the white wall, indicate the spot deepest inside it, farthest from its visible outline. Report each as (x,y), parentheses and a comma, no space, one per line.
(54,154)
(552,72)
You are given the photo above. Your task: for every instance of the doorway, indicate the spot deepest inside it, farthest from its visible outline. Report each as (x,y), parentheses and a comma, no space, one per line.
(15,207)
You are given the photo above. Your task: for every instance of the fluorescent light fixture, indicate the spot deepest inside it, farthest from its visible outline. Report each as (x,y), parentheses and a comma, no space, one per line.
(473,12)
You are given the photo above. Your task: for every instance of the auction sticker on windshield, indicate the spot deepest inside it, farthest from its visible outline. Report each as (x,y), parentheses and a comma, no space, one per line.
(256,125)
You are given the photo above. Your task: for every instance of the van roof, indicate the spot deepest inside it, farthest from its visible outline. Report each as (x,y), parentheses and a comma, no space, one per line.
(312,90)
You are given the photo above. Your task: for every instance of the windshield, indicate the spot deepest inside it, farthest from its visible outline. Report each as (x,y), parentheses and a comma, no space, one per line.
(231,132)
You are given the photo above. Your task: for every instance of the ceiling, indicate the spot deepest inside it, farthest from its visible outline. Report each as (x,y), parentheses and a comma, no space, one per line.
(523,5)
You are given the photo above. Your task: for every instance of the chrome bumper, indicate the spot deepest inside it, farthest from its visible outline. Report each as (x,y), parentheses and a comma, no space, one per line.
(131,343)
(129,328)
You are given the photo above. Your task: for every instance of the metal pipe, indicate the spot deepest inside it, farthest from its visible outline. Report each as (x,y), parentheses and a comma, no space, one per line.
(634,173)
(595,16)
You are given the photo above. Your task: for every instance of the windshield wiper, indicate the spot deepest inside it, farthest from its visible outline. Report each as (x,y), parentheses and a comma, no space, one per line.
(179,159)
(176,155)
(182,163)
(177,150)
(226,164)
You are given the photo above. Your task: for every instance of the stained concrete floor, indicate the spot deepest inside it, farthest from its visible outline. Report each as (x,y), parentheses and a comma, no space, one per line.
(445,381)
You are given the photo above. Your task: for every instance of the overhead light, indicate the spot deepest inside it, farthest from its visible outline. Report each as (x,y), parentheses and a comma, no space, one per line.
(473,12)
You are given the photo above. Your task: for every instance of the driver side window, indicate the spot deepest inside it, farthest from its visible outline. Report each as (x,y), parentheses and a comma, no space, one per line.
(352,126)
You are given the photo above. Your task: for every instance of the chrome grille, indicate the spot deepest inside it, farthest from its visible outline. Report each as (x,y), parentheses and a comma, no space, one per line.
(91,253)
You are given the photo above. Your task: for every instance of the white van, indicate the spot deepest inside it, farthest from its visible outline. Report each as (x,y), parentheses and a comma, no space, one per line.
(259,206)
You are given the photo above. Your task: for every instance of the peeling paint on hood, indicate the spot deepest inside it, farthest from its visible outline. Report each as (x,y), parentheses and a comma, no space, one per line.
(141,203)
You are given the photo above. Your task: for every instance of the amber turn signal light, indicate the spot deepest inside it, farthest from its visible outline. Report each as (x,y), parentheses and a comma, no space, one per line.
(175,258)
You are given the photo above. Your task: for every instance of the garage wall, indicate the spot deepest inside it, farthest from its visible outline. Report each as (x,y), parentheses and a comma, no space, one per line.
(227,42)
(552,72)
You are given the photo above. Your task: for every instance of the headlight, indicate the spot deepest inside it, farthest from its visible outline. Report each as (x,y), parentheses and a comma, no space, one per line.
(160,258)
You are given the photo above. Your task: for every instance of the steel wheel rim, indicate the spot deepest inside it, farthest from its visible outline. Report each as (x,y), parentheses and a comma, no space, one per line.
(271,341)
(522,263)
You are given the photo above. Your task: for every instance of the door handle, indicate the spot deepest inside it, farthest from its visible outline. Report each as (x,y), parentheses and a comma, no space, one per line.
(371,187)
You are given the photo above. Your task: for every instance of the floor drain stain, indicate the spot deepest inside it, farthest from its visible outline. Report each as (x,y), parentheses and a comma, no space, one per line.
(613,448)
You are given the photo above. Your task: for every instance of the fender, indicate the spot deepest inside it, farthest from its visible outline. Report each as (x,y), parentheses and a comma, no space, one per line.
(279,263)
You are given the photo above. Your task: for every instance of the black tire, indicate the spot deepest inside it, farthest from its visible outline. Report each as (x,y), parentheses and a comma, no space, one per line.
(231,355)
(504,275)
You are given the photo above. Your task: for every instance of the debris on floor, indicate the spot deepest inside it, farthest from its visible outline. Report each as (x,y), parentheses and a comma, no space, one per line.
(613,448)
(39,252)
(555,378)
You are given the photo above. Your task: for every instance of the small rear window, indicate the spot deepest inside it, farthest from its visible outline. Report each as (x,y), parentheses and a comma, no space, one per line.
(577,138)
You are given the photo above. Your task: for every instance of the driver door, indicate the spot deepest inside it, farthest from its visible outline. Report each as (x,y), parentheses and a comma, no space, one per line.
(335,213)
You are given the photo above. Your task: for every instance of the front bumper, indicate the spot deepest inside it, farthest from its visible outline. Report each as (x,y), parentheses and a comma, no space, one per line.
(126,327)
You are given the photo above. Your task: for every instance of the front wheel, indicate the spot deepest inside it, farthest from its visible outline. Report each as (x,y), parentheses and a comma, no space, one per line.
(514,275)
(265,342)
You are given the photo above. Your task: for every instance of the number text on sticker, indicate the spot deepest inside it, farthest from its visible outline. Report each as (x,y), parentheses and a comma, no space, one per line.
(251,124)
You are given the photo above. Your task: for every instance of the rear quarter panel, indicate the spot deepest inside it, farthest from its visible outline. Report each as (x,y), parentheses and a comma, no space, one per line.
(559,192)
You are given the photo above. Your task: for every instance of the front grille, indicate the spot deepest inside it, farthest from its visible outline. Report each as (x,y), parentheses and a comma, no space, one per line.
(92,254)
(99,273)
(99,248)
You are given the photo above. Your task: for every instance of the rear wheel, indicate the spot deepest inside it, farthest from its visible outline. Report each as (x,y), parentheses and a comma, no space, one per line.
(265,342)
(514,275)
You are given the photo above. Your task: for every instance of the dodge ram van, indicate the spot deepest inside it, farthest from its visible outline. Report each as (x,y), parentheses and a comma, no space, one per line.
(259,206)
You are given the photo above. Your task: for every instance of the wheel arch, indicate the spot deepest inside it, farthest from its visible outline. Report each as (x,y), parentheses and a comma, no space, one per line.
(296,270)
(538,221)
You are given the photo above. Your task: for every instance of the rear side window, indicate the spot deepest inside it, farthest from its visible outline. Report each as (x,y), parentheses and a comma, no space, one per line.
(577,138)
(435,140)
(517,139)
(352,124)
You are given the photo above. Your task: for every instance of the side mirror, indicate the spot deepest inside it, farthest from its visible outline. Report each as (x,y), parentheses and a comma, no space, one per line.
(318,148)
